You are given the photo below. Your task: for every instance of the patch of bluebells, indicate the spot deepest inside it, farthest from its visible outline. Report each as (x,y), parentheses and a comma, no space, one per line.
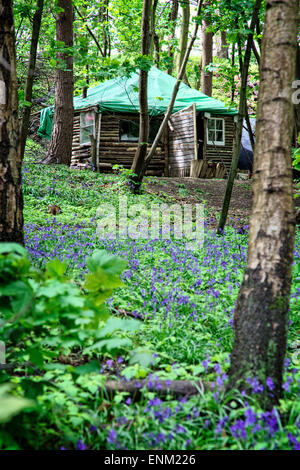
(184,290)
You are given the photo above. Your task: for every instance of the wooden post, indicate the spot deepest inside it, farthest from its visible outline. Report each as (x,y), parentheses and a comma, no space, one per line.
(93,150)
(166,147)
(98,142)
(204,138)
(195,131)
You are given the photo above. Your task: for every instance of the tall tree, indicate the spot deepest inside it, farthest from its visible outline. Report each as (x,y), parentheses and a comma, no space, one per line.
(143,163)
(60,149)
(172,22)
(104,22)
(184,34)
(222,45)
(207,58)
(141,151)
(297,105)
(36,26)
(261,312)
(242,112)
(11,199)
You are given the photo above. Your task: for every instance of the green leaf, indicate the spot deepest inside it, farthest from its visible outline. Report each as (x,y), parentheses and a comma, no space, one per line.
(12,248)
(115,324)
(55,268)
(142,357)
(21,293)
(11,405)
(110,264)
(92,366)
(36,357)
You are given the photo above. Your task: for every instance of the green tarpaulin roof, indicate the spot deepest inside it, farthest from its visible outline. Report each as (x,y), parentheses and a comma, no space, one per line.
(121,95)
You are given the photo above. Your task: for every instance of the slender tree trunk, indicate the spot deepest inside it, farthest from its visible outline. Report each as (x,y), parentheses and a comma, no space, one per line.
(152,28)
(233,87)
(222,51)
(103,18)
(141,151)
(241,115)
(60,150)
(297,105)
(172,22)
(207,58)
(143,164)
(90,31)
(36,25)
(184,34)
(156,50)
(261,313)
(11,199)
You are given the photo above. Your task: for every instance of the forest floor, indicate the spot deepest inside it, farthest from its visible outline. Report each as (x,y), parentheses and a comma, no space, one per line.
(209,191)
(183,301)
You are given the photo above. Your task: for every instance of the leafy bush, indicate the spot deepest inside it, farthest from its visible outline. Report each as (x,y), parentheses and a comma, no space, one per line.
(44,315)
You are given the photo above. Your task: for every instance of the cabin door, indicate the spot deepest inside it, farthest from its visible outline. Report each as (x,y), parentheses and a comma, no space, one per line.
(182,141)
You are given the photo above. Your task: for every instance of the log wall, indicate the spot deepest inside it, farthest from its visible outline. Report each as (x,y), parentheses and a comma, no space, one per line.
(180,151)
(222,153)
(111,150)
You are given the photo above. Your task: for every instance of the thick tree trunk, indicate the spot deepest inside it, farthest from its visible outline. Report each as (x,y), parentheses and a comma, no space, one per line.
(261,313)
(60,149)
(207,58)
(141,151)
(242,112)
(11,200)
(184,34)
(172,22)
(36,25)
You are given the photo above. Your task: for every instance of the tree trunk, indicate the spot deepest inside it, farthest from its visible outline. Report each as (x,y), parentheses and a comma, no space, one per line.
(184,34)
(36,25)
(60,150)
(141,151)
(241,115)
(297,105)
(222,50)
(207,58)
(172,22)
(11,199)
(143,164)
(261,313)
(103,18)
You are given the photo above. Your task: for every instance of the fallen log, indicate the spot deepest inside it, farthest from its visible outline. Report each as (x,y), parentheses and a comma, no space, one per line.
(178,388)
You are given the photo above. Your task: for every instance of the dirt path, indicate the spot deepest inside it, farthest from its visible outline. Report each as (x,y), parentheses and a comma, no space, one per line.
(193,190)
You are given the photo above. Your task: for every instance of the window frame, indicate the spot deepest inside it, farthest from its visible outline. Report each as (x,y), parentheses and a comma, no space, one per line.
(86,127)
(216,143)
(153,129)
(132,121)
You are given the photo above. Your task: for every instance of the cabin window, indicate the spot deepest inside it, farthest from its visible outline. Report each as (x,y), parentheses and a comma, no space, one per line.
(129,130)
(87,126)
(216,131)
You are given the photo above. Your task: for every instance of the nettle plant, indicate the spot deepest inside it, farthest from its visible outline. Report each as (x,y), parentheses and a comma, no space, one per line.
(45,314)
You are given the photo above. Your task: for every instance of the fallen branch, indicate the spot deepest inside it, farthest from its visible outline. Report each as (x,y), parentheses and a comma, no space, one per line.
(179,388)
(125,313)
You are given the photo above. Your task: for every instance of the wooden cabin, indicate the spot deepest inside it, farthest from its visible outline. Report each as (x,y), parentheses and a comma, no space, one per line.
(199,135)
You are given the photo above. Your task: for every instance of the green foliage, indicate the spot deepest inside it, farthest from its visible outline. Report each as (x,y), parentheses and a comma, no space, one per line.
(11,405)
